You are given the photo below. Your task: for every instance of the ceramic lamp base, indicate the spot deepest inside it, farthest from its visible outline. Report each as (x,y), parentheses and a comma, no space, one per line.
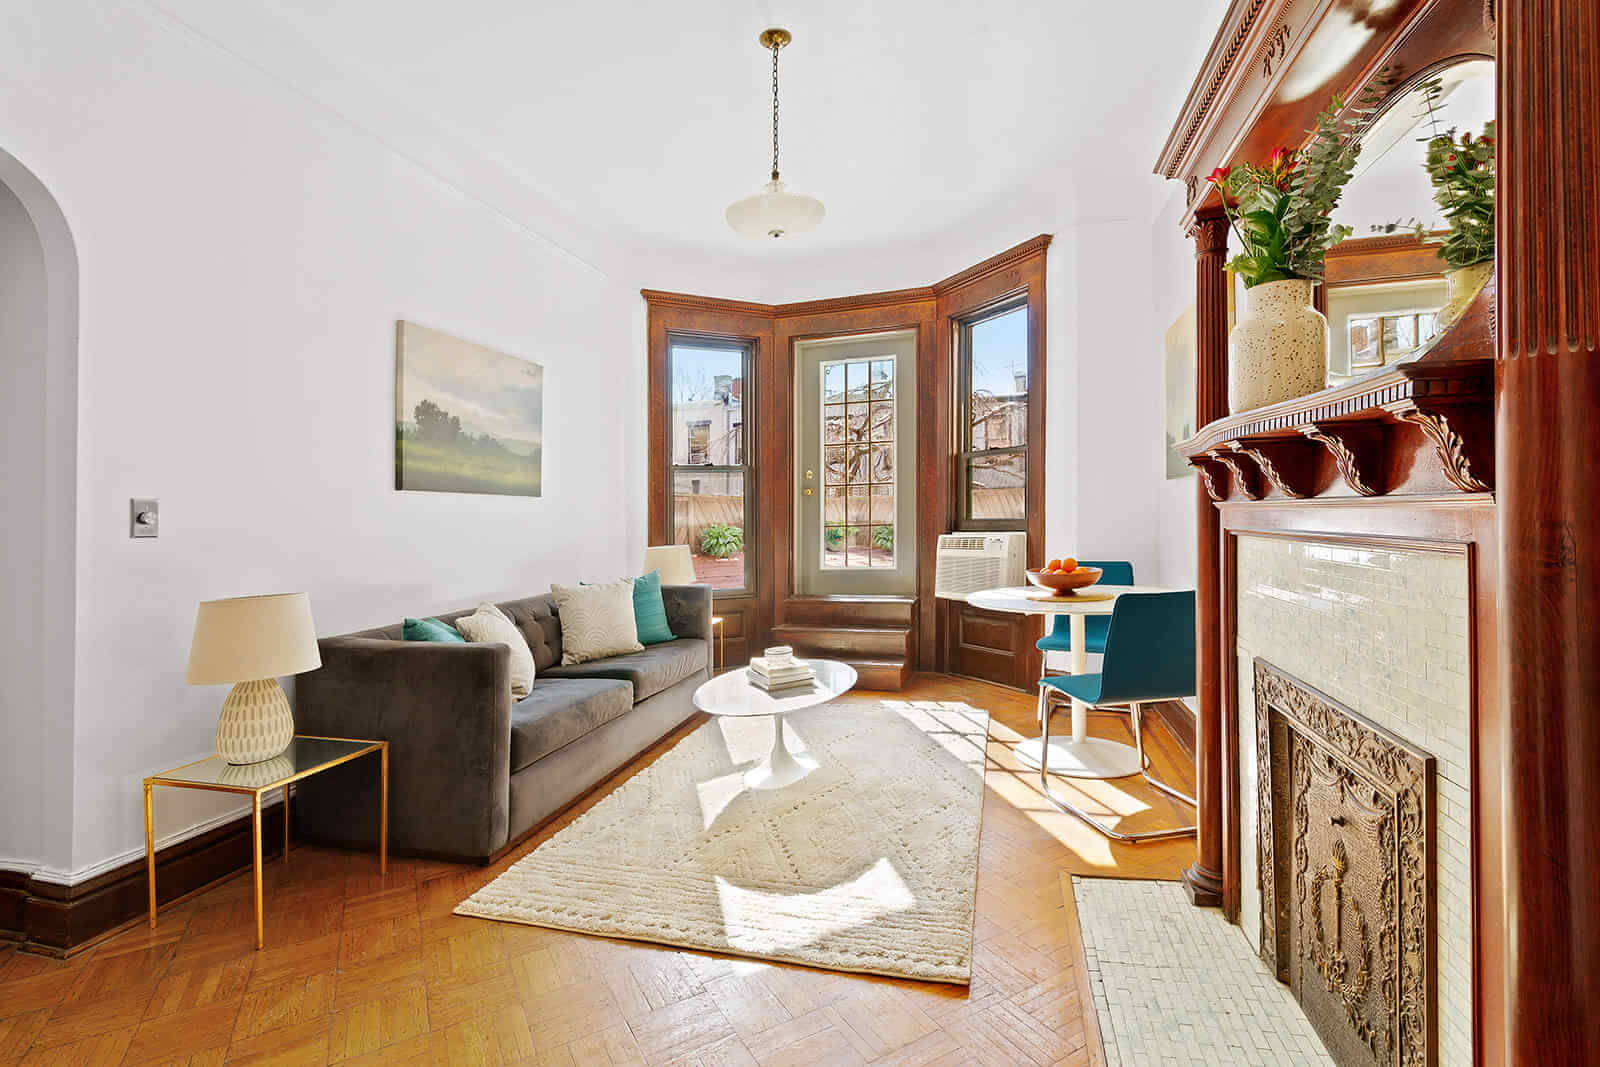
(256,722)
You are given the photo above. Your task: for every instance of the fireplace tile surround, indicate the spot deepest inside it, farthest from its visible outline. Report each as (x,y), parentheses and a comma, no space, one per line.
(1383,630)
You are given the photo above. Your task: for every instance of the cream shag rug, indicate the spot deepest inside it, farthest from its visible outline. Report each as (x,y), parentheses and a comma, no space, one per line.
(868,864)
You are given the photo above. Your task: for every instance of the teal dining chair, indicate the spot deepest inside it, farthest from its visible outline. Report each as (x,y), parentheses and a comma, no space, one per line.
(1059,639)
(1149,655)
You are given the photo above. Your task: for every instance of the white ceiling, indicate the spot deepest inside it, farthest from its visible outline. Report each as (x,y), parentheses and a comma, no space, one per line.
(907,118)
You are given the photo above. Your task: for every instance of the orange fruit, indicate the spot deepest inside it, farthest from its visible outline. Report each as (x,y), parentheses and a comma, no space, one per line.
(1068,564)
(1053,565)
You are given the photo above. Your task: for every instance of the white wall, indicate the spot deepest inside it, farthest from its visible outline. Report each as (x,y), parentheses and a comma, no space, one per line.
(244,254)
(22,428)
(1171,291)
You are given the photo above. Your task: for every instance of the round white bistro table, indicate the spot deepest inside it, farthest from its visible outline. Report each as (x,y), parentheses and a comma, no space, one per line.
(1078,756)
(734,694)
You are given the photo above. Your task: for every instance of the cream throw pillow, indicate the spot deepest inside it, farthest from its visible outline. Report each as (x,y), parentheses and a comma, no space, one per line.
(490,625)
(596,620)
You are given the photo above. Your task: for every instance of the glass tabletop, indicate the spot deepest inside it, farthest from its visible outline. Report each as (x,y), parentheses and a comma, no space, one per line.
(304,756)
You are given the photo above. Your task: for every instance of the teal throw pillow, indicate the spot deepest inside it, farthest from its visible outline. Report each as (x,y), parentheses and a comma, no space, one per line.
(650,611)
(431,630)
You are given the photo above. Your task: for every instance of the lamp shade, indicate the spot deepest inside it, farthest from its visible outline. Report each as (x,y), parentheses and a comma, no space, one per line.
(673,561)
(248,638)
(774,212)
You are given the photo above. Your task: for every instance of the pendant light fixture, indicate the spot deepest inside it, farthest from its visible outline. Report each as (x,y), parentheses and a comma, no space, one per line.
(774,212)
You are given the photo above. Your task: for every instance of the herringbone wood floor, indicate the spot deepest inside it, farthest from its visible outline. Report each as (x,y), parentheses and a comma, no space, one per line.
(363,969)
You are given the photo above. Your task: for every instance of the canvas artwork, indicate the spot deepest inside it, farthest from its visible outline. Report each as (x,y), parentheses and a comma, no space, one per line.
(468,419)
(1180,389)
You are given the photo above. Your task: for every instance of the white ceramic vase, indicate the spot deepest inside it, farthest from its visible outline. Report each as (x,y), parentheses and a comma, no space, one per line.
(1278,350)
(1462,285)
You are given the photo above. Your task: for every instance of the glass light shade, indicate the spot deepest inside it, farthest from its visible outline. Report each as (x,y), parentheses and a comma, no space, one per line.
(774,212)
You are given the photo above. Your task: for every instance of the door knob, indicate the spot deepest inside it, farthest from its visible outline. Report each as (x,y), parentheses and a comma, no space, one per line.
(808,490)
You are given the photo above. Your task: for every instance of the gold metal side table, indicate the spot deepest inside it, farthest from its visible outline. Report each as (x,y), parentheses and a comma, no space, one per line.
(304,757)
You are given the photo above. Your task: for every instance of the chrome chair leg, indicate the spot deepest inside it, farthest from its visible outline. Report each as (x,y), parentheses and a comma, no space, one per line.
(1138,740)
(1072,809)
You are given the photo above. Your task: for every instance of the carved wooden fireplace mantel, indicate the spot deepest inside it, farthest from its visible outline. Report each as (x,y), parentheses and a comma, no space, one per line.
(1480,448)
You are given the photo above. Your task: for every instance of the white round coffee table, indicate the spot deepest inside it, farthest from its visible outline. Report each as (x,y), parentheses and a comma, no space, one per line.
(733,694)
(1078,756)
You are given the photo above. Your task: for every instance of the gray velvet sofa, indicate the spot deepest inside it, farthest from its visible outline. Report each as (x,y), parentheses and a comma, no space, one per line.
(471,772)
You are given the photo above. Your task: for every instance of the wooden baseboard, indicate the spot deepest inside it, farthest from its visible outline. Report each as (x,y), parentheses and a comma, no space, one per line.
(61,920)
(1179,721)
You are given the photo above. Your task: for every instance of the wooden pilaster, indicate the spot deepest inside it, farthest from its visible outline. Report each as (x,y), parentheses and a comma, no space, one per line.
(1204,880)
(1547,386)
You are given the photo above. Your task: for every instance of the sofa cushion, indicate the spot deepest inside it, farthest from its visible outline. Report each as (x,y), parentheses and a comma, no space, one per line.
(561,710)
(652,670)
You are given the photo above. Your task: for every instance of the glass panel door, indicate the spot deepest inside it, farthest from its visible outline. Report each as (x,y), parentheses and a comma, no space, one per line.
(855,512)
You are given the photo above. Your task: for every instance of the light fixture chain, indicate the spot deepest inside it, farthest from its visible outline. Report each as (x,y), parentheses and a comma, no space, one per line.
(775,47)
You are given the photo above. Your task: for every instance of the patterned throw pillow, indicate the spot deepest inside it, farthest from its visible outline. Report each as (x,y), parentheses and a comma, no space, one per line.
(596,620)
(490,625)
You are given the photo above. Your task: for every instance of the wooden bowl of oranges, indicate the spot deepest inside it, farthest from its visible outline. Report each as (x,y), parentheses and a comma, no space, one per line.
(1062,576)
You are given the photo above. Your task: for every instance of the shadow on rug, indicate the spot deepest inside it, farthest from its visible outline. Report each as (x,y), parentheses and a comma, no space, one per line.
(867,864)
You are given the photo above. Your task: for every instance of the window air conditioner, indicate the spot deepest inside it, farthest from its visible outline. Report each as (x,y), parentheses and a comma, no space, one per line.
(967,563)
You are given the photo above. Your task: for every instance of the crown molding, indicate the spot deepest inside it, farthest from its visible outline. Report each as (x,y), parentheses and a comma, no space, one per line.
(1034,246)
(1200,106)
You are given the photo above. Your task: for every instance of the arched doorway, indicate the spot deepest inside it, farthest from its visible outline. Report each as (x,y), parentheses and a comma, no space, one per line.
(38,483)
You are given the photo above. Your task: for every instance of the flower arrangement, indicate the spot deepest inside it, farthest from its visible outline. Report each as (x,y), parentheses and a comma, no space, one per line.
(1463,186)
(1281,210)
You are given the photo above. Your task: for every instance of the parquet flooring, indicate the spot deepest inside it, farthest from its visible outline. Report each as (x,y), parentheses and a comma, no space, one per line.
(362,969)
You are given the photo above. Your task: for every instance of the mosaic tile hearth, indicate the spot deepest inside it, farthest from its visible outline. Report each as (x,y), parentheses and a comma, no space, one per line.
(1176,984)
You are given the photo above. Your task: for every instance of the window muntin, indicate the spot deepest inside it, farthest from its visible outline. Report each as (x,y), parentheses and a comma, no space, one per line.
(858,463)
(994,399)
(708,476)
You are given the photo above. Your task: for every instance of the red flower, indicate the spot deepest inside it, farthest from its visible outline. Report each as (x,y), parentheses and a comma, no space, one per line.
(1218,176)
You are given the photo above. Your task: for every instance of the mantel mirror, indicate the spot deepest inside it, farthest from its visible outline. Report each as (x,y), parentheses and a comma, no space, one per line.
(1389,292)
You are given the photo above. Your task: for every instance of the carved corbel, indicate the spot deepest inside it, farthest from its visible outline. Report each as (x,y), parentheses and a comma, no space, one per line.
(1244,475)
(1462,451)
(1208,476)
(1286,465)
(1356,450)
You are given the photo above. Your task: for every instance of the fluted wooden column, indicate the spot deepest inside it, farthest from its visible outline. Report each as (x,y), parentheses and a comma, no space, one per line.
(1547,385)
(1203,880)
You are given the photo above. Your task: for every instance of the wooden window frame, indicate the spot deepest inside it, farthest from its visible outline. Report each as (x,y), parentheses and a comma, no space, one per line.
(668,473)
(962,404)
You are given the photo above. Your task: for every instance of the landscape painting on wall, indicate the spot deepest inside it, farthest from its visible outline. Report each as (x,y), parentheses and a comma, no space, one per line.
(468,419)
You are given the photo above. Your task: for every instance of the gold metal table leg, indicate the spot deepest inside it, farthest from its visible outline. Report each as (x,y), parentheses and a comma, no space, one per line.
(255,841)
(150,850)
(286,824)
(383,810)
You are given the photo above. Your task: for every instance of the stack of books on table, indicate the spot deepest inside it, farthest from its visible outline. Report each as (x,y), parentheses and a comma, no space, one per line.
(779,670)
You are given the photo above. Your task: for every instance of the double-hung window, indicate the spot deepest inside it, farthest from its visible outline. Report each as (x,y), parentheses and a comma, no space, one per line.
(993,398)
(708,478)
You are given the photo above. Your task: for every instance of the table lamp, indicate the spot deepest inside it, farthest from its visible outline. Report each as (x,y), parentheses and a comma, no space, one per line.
(673,561)
(252,641)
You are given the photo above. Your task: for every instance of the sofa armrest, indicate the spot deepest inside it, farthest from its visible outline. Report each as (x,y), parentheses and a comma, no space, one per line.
(445,710)
(689,613)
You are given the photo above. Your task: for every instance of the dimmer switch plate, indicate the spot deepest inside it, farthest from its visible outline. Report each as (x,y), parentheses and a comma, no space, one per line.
(144,518)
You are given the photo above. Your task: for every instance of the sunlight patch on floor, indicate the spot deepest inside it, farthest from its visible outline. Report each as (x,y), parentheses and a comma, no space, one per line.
(768,922)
